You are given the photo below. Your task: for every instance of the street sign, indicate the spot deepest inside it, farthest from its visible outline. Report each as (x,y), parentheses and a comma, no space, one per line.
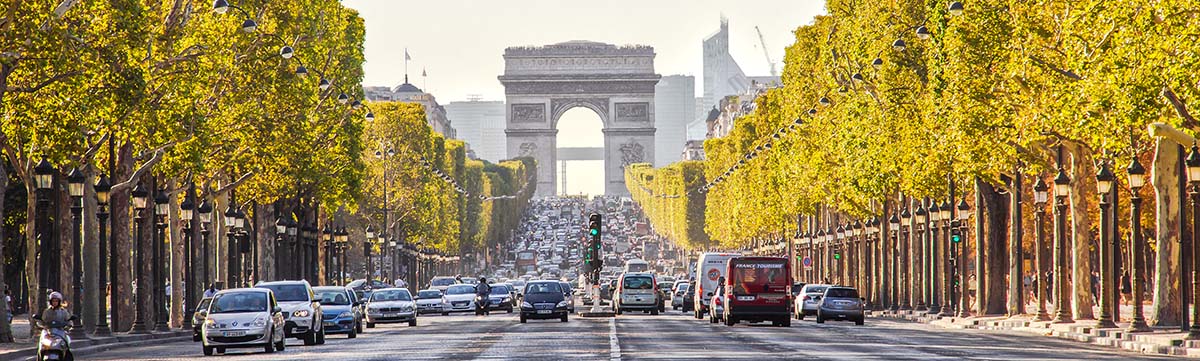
(807,262)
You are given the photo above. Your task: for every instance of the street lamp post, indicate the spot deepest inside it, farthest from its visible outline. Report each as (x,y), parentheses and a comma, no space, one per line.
(280,231)
(906,259)
(244,247)
(367,252)
(231,247)
(1136,180)
(102,188)
(947,215)
(75,188)
(894,266)
(47,246)
(1040,197)
(161,207)
(293,246)
(1193,176)
(1104,182)
(186,209)
(205,210)
(139,205)
(964,214)
(932,241)
(343,243)
(1062,189)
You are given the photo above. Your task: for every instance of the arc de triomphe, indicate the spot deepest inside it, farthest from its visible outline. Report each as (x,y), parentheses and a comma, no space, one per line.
(541,83)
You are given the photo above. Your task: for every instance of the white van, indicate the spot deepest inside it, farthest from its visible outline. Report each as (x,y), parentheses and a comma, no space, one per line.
(636,265)
(710,267)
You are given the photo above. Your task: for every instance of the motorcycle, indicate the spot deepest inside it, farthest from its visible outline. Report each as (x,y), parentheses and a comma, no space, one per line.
(54,343)
(481,305)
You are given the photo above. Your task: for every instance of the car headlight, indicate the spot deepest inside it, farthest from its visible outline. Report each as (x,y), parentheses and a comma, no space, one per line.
(47,342)
(259,322)
(210,323)
(526,305)
(562,304)
(506,299)
(300,313)
(345,314)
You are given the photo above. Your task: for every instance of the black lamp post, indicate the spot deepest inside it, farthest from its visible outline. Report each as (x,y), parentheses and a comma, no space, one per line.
(1062,189)
(1193,176)
(946,212)
(186,209)
(243,249)
(1136,180)
(75,189)
(231,249)
(343,241)
(293,247)
(327,239)
(205,209)
(102,329)
(905,272)
(920,276)
(964,214)
(1040,197)
(367,251)
(161,208)
(933,240)
(280,231)
(50,264)
(139,195)
(1104,183)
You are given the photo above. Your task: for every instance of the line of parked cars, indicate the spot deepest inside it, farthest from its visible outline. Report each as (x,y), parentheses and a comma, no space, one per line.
(271,312)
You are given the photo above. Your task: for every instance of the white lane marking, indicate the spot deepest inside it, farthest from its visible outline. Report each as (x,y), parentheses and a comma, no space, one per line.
(614,345)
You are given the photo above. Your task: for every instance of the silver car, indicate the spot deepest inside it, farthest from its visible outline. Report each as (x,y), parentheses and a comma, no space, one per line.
(301,310)
(677,295)
(808,300)
(391,305)
(841,303)
(243,317)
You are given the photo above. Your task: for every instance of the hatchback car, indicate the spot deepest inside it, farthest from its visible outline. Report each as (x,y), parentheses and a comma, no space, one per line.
(243,317)
(459,298)
(808,300)
(841,303)
(544,300)
(391,305)
(430,301)
(301,309)
(677,295)
(716,312)
(340,315)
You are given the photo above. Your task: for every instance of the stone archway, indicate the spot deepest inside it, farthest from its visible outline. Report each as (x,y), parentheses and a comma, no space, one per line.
(541,83)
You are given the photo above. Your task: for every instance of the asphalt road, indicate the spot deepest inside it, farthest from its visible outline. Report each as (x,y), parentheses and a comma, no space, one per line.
(672,336)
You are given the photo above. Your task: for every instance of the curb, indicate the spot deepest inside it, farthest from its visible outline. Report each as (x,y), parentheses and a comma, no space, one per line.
(90,346)
(1150,343)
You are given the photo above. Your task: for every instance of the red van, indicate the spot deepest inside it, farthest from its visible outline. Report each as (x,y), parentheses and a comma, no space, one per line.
(756,290)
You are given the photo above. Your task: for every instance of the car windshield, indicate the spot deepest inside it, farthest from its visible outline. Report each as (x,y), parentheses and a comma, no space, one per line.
(239,302)
(288,293)
(442,281)
(429,294)
(638,283)
(499,290)
(842,293)
(543,287)
(461,290)
(333,297)
(683,288)
(391,295)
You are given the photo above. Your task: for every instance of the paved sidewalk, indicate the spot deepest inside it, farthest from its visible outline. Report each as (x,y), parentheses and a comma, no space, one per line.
(24,346)
(1159,341)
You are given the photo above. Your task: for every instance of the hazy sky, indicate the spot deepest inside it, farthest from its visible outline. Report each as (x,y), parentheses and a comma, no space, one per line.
(460,44)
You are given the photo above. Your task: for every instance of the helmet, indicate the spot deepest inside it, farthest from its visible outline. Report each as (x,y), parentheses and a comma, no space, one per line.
(481,279)
(56,295)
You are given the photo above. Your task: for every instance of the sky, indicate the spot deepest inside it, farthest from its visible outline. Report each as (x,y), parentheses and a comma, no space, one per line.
(460,43)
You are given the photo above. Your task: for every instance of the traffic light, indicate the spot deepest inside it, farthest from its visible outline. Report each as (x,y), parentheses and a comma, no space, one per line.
(592,253)
(837,254)
(956,235)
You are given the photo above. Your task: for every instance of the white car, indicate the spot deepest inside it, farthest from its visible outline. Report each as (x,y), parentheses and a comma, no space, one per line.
(391,305)
(460,298)
(243,317)
(808,301)
(430,301)
(301,309)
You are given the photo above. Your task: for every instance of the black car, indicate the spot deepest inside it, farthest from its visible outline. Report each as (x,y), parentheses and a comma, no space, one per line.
(544,300)
(500,299)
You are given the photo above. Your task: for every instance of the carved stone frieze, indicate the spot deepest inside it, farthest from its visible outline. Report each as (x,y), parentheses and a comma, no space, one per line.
(579,87)
(528,113)
(633,112)
(528,149)
(632,152)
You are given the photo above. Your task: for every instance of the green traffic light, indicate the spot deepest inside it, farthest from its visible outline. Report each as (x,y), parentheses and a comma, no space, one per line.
(837,256)
(956,238)
(594,231)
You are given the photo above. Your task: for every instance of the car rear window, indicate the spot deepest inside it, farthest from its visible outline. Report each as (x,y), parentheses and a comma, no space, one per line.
(288,293)
(757,277)
(842,293)
(638,283)
(815,289)
(442,281)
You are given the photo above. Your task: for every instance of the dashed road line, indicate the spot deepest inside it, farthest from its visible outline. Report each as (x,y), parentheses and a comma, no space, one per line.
(614,345)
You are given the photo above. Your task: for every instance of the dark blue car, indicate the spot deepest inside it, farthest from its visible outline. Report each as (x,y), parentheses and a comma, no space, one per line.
(337,305)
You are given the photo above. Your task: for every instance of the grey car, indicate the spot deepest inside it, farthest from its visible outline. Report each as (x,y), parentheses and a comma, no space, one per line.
(808,299)
(841,303)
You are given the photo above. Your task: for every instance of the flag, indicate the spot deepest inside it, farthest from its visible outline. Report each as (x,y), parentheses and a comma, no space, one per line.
(423,72)
(406,56)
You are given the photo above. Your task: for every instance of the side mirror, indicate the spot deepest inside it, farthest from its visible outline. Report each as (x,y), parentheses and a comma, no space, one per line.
(864,299)
(416,297)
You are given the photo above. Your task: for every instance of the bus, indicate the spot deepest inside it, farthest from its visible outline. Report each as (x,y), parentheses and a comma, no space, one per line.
(527,261)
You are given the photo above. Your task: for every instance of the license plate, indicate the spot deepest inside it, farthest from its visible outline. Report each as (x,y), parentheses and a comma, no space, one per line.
(330,324)
(745,298)
(52,356)
(543,312)
(392,315)
(234,334)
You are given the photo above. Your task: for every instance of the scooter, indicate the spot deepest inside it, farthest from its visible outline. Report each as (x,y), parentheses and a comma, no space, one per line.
(54,344)
(481,305)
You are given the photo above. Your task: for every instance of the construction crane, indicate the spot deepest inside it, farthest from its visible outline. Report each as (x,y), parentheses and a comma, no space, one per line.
(766,53)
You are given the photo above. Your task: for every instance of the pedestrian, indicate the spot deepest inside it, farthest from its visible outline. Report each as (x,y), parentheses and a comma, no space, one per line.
(1126,287)
(8,305)
(211,291)
(1095,286)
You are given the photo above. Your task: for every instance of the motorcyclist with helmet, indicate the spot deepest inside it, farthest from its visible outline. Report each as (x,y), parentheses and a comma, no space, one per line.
(482,290)
(54,339)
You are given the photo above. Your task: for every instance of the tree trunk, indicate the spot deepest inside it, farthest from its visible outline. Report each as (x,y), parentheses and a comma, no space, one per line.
(32,278)
(264,228)
(6,335)
(995,250)
(1165,178)
(91,251)
(176,256)
(1083,177)
(64,232)
(145,273)
(121,236)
